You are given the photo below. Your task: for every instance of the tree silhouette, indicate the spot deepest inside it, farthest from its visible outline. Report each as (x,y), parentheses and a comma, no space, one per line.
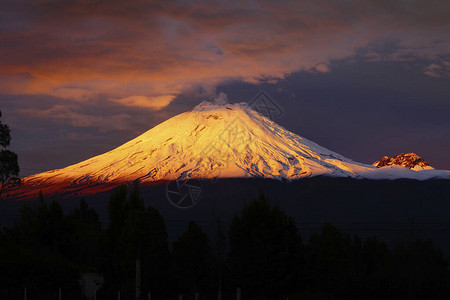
(192,259)
(36,253)
(419,269)
(377,260)
(331,259)
(135,231)
(264,249)
(87,235)
(46,250)
(9,167)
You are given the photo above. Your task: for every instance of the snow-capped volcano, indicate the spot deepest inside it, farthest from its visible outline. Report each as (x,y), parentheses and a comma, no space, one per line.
(230,140)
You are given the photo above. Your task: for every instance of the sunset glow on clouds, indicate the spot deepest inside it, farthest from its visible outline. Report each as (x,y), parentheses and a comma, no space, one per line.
(156,102)
(145,52)
(86,56)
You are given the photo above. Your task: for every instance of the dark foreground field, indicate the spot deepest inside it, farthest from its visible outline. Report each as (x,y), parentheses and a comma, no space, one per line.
(305,239)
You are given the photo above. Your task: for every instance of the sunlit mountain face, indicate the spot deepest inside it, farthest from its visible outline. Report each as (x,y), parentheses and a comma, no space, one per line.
(409,160)
(213,141)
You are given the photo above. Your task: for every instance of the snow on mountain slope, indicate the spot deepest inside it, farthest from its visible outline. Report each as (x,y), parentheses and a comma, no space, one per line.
(213,141)
(397,172)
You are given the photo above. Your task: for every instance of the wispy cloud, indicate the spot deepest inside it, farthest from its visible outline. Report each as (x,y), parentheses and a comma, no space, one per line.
(72,116)
(155,102)
(438,69)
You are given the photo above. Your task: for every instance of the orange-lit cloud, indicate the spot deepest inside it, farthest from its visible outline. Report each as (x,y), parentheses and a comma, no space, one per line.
(144,53)
(156,102)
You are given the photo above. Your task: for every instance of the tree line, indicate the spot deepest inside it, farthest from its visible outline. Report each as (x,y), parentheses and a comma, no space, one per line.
(261,252)
(9,166)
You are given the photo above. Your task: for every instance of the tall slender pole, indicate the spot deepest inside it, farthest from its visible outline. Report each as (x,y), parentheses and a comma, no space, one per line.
(25,294)
(219,246)
(219,294)
(138,275)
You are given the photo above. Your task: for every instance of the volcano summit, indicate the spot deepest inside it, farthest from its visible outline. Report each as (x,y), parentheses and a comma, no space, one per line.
(211,141)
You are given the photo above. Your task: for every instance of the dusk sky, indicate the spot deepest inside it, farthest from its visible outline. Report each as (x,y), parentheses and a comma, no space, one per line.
(361,78)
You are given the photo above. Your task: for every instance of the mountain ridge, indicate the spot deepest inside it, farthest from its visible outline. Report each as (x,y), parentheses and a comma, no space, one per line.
(217,141)
(409,160)
(228,140)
